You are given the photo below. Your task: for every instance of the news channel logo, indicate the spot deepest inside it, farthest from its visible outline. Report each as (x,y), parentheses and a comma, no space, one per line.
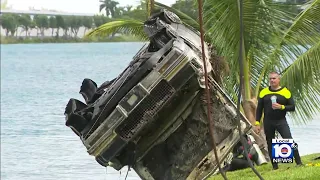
(282,150)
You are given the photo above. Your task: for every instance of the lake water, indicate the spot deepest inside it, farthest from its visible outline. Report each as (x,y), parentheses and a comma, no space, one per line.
(37,81)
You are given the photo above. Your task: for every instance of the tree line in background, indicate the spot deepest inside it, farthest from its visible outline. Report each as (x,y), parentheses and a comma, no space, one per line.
(70,25)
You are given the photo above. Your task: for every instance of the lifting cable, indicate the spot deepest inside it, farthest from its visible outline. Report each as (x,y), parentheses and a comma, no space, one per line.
(211,124)
(242,139)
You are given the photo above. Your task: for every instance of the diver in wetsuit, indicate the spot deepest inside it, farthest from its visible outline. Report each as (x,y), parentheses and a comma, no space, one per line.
(239,160)
(275,113)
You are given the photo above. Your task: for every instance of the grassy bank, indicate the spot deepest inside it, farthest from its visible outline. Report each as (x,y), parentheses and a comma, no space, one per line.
(15,40)
(285,171)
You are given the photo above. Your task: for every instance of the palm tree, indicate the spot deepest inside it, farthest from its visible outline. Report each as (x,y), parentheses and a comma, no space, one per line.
(113,8)
(109,6)
(274,40)
(135,27)
(105,4)
(150,7)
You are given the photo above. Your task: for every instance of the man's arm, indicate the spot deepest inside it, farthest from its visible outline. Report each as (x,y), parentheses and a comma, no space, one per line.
(259,111)
(290,106)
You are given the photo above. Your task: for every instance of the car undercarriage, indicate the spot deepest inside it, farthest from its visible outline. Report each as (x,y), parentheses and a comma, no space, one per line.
(153,116)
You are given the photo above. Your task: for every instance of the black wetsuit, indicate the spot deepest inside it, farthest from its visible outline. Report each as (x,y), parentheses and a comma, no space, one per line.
(275,119)
(239,162)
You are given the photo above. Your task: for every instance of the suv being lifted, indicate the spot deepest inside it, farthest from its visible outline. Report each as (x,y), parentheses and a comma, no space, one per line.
(153,115)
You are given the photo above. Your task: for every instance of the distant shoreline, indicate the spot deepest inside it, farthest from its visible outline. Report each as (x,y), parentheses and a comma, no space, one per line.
(39,40)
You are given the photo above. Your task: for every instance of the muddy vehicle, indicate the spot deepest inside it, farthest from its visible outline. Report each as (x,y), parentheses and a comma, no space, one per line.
(152,117)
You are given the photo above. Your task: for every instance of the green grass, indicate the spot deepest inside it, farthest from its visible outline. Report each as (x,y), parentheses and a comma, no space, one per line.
(285,171)
(14,40)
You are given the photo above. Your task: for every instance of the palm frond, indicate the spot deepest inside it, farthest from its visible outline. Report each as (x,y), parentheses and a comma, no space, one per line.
(306,25)
(299,37)
(302,77)
(296,55)
(102,6)
(262,20)
(230,85)
(186,19)
(126,26)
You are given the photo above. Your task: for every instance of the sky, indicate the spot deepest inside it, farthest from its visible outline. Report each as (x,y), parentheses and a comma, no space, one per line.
(73,6)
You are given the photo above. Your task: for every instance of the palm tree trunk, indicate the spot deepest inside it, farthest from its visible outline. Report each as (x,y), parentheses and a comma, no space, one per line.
(150,7)
(147,8)
(58,29)
(107,12)
(249,103)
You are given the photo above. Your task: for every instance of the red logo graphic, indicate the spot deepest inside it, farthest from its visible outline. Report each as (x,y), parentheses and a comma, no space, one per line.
(284,150)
